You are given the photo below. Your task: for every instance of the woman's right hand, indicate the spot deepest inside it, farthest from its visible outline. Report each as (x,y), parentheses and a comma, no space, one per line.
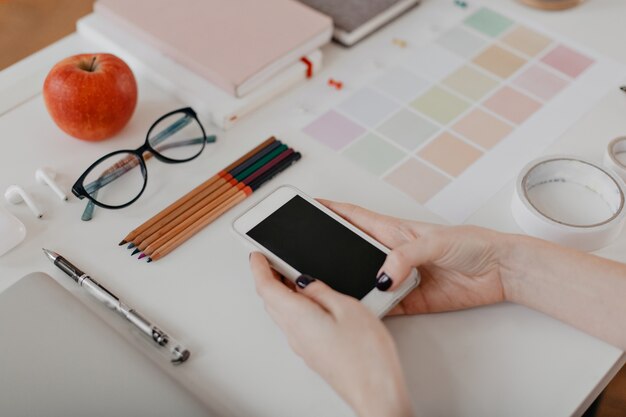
(466,266)
(460,267)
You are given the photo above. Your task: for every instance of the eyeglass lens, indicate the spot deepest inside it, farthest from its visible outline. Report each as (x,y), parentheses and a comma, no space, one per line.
(178,137)
(116,180)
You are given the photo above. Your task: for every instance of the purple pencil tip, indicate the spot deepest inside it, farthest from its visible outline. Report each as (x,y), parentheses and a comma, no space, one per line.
(135,252)
(122,243)
(142,255)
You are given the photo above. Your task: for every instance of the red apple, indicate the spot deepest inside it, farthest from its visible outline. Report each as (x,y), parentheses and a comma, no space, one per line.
(90,96)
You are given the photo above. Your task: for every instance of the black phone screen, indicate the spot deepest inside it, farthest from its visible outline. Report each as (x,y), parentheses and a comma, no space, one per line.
(317,245)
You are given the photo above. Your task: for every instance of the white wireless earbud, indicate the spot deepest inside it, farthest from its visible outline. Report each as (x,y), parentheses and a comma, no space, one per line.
(16,195)
(46,176)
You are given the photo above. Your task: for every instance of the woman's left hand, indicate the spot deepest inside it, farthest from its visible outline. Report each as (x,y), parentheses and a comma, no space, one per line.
(338,338)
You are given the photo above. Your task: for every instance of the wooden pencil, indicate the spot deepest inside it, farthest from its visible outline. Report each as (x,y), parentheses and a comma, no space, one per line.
(195,191)
(211,216)
(202,200)
(169,221)
(190,231)
(162,236)
(179,229)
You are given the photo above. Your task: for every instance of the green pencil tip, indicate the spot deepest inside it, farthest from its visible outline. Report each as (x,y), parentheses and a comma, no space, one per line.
(135,252)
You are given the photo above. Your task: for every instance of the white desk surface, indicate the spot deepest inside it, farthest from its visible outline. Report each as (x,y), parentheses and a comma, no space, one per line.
(492,361)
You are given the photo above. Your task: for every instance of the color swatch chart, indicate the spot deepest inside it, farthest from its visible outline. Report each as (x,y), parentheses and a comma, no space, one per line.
(460,117)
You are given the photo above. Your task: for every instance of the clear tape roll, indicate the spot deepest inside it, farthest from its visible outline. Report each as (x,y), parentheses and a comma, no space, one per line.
(615,147)
(560,172)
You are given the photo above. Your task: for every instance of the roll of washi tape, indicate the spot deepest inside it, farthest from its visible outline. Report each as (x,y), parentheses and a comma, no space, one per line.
(569,201)
(615,156)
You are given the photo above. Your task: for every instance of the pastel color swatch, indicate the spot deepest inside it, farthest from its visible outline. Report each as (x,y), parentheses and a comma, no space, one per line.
(462,42)
(488,22)
(540,82)
(433,62)
(470,83)
(417,180)
(401,84)
(450,154)
(451,119)
(512,105)
(482,128)
(408,129)
(368,107)
(440,105)
(373,154)
(526,41)
(499,61)
(567,61)
(333,130)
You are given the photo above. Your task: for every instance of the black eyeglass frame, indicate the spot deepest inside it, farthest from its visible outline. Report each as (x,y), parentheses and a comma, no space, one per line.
(78,189)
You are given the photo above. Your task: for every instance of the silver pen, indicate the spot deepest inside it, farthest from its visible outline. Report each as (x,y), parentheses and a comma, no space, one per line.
(176,352)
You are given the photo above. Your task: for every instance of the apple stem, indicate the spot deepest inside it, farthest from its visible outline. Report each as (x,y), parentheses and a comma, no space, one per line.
(93,61)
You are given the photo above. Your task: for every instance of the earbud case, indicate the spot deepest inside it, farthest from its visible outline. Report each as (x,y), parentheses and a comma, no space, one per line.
(12,231)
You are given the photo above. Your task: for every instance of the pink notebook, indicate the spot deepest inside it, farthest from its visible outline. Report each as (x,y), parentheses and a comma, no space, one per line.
(236,44)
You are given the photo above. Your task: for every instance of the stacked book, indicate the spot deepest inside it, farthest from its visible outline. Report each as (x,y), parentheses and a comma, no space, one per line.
(223,57)
(356,19)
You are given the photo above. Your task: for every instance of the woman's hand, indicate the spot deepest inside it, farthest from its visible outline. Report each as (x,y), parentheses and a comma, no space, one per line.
(339,339)
(469,266)
(460,267)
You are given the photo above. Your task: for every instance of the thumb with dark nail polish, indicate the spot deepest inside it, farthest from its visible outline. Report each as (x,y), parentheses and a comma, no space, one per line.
(304,280)
(383,282)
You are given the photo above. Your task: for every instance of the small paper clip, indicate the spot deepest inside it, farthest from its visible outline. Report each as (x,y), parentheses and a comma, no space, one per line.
(337,85)
(400,42)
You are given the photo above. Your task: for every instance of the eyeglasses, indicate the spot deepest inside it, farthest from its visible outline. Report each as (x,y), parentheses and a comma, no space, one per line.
(113,182)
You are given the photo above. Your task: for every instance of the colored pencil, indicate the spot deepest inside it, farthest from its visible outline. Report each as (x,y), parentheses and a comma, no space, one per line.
(233,200)
(199,189)
(167,233)
(200,202)
(200,199)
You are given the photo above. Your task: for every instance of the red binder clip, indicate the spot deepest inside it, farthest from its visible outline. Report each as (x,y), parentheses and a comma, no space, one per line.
(309,66)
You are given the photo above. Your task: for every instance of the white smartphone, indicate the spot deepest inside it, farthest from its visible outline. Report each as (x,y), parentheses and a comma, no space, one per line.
(299,236)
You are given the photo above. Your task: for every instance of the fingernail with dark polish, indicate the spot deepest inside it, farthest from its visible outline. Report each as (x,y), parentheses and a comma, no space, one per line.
(383,282)
(304,280)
